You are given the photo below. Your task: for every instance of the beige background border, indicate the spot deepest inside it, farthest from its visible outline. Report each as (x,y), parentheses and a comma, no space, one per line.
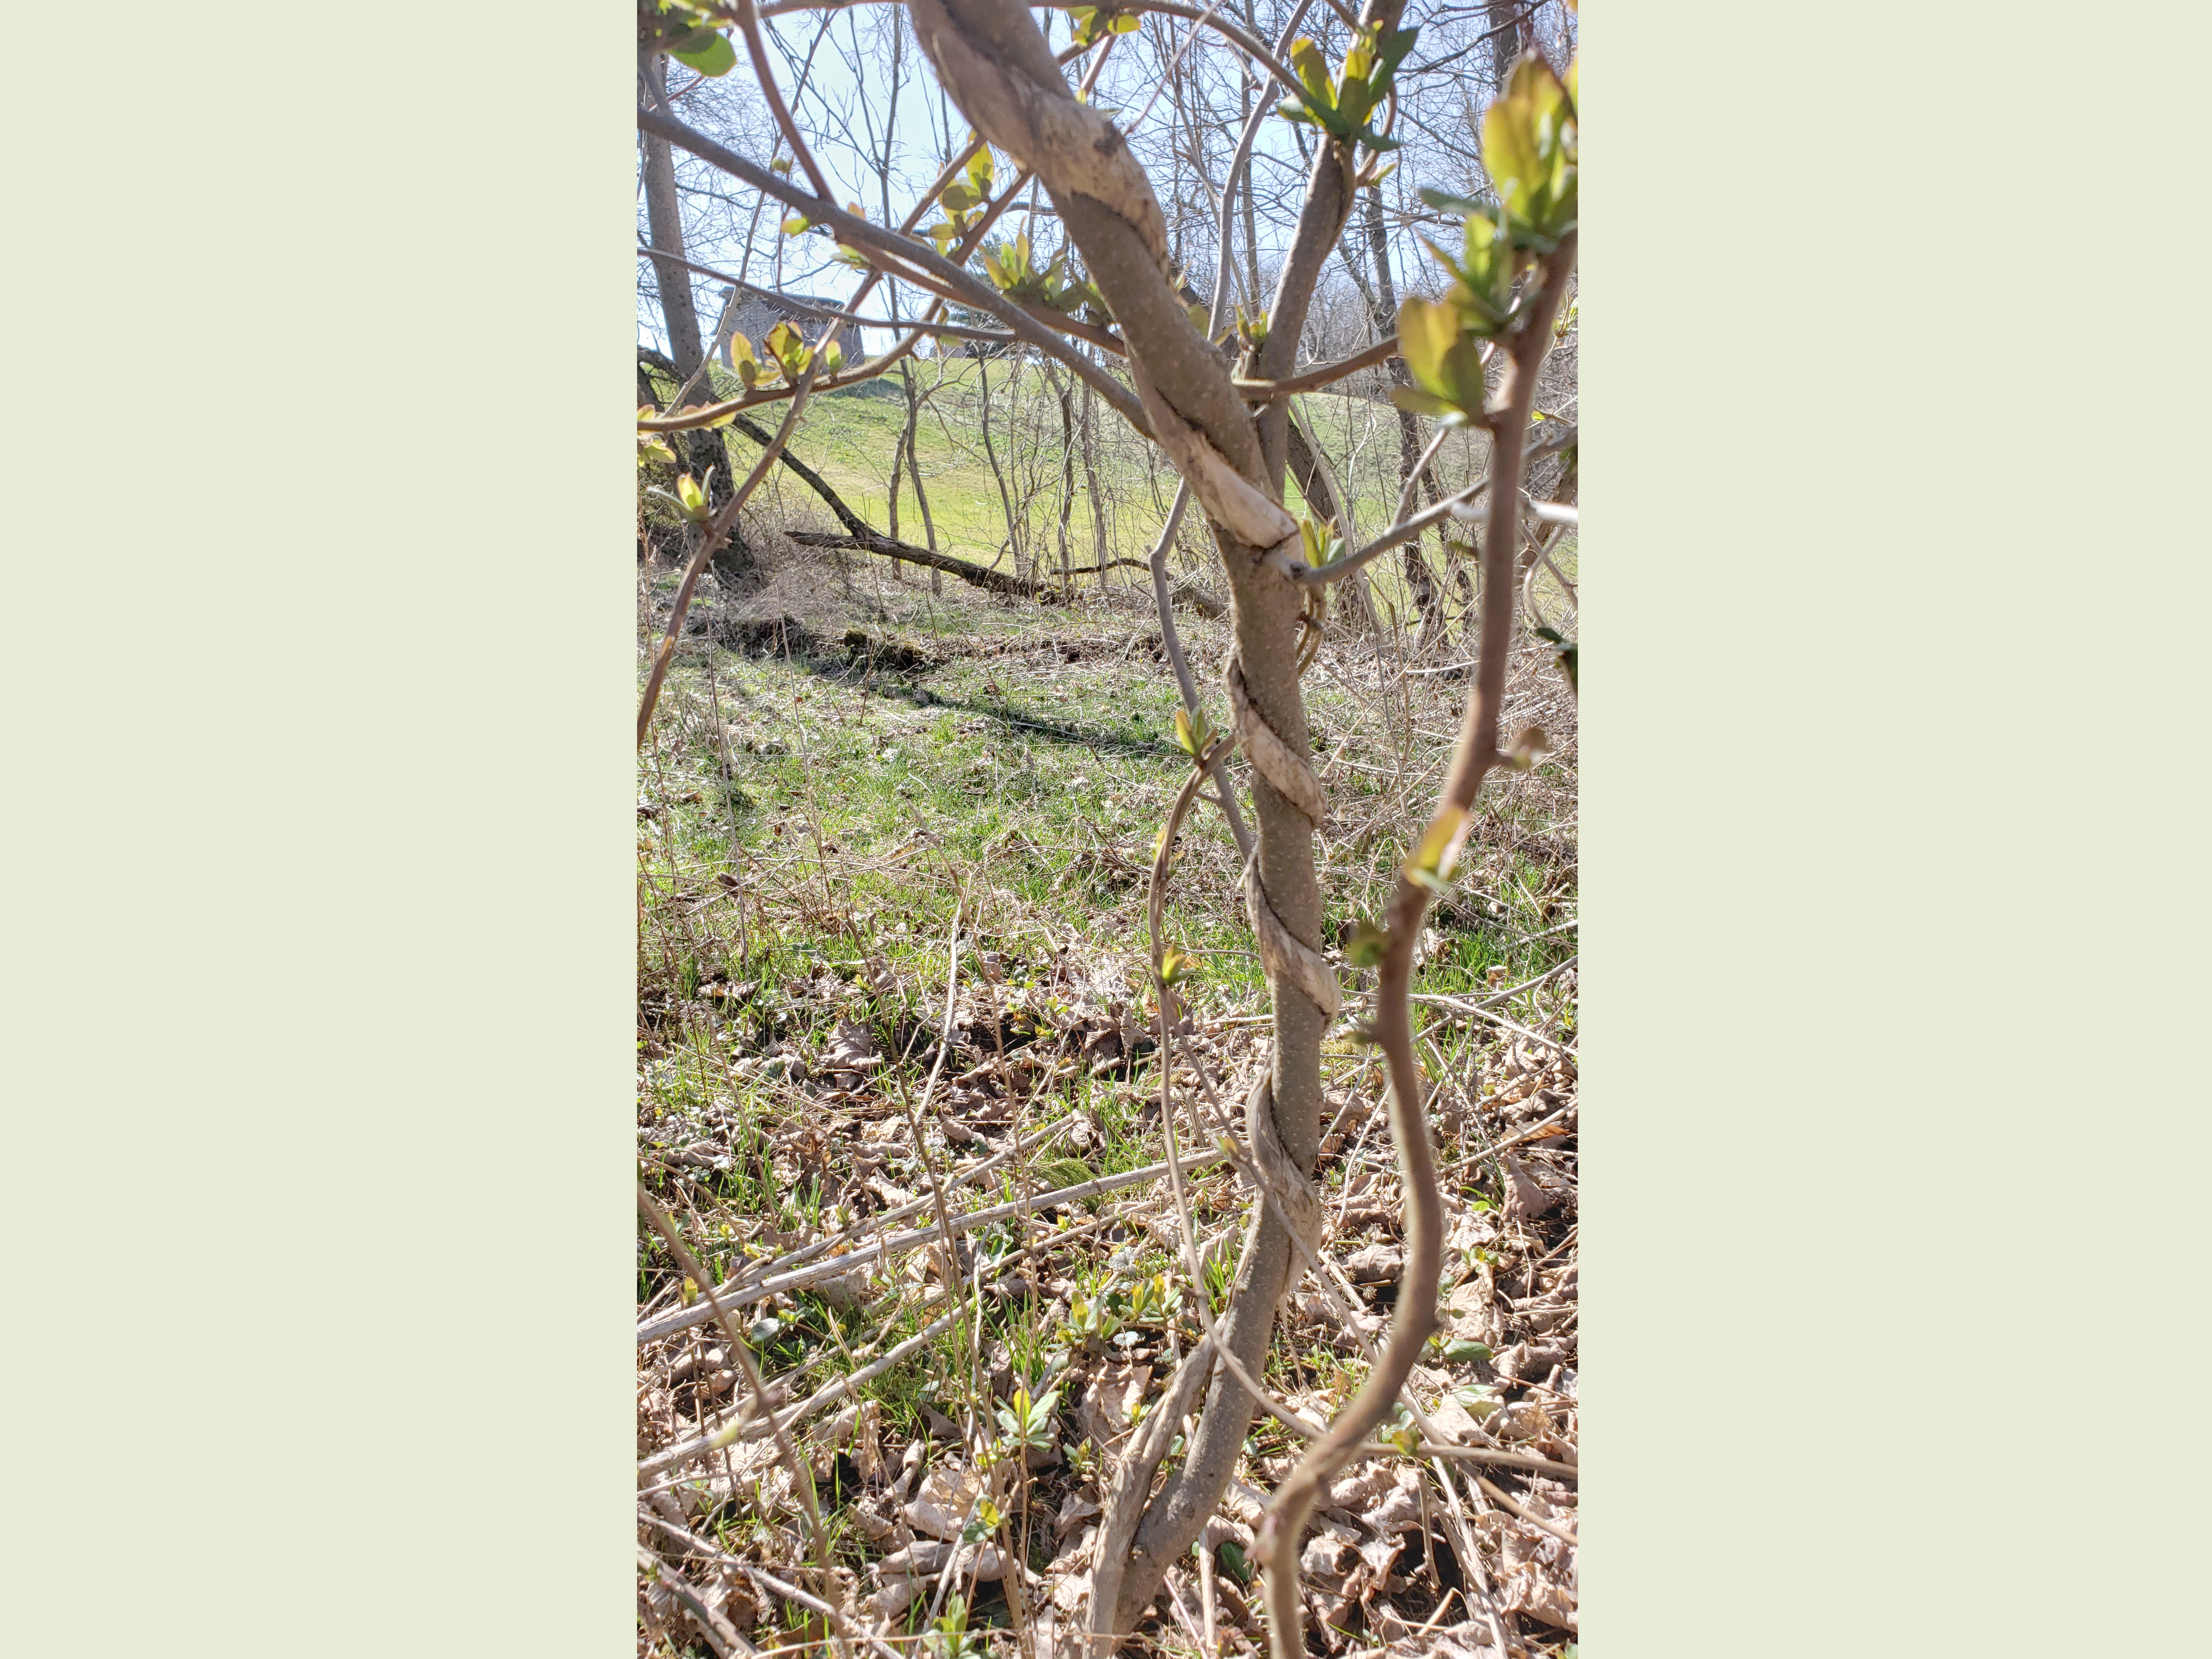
(316,1213)
(1894,831)
(319,811)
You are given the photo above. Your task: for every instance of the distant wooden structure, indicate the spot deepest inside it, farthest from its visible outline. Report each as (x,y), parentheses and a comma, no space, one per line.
(755,315)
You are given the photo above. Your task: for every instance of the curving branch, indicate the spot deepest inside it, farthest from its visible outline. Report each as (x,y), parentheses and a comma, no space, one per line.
(1415,1316)
(713,535)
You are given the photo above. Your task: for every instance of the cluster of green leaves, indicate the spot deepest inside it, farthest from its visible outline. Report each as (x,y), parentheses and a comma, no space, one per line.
(1193,734)
(949,1639)
(1344,106)
(1090,1318)
(691,37)
(1459,1350)
(1014,272)
(1026,1422)
(1399,1430)
(962,201)
(784,354)
(1528,145)
(1321,543)
(1151,1302)
(691,496)
(1366,946)
(1563,655)
(1120,1313)
(1093,23)
(987,1519)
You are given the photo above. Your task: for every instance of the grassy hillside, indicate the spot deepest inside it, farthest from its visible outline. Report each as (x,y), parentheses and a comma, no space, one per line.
(850,437)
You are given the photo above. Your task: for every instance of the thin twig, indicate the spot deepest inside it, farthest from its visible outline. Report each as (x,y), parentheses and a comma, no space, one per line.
(721,1635)
(898,1243)
(802,1478)
(1505,1501)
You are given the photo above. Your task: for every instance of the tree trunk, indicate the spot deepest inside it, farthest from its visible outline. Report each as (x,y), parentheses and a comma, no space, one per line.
(1066,479)
(1427,595)
(1005,501)
(997,67)
(914,471)
(1090,483)
(1509,32)
(735,565)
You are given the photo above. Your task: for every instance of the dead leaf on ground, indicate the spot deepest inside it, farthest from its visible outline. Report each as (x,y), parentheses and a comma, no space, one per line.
(1105,1410)
(1376,1264)
(945,1502)
(1073,1513)
(1534,1187)
(1529,1361)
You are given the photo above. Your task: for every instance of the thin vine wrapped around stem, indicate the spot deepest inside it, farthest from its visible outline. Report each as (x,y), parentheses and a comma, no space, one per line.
(1414,1318)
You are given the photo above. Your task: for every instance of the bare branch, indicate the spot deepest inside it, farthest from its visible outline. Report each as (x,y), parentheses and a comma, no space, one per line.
(857,232)
(1321,375)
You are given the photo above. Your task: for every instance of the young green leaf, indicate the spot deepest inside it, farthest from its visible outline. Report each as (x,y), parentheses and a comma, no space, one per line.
(1444,354)
(721,420)
(1531,743)
(1412,399)
(1312,69)
(692,494)
(1444,201)
(1431,865)
(737,357)
(1528,144)
(789,349)
(1365,947)
(705,51)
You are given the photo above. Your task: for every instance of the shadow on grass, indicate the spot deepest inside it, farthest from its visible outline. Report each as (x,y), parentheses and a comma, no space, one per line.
(852,675)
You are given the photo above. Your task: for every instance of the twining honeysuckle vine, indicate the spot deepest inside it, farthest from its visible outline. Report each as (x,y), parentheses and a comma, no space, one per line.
(1215,399)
